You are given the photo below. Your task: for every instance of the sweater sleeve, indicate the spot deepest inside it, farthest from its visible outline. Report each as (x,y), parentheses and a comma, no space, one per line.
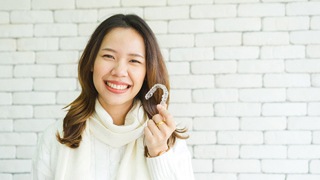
(172,165)
(42,160)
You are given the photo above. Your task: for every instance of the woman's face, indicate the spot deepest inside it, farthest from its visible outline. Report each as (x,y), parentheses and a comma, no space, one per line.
(120,67)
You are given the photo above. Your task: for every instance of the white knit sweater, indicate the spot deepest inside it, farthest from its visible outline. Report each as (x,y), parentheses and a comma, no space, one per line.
(106,159)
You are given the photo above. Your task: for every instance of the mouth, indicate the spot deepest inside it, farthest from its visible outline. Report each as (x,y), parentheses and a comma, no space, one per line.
(117,85)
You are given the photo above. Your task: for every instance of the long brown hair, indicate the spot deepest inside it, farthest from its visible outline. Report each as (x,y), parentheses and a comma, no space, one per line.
(83,106)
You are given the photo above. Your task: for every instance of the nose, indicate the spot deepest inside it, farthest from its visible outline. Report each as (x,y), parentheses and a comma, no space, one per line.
(120,69)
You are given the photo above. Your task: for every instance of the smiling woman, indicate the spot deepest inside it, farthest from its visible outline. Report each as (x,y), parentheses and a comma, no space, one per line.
(111,131)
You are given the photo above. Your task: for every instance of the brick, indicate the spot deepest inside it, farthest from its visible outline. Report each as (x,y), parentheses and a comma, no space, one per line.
(261,10)
(215,95)
(304,152)
(8,45)
(303,176)
(202,165)
(263,123)
(13,5)
(73,43)
(262,176)
(143,3)
(49,111)
(304,123)
(53,4)
(316,137)
(215,123)
(6,176)
(180,95)
(315,22)
(266,38)
(305,37)
(240,137)
(314,166)
(191,26)
(313,51)
(29,125)
(238,24)
(286,80)
(284,109)
(284,166)
(263,152)
(178,68)
(7,152)
(107,12)
(216,151)
(24,84)
(18,139)
(303,94)
(281,52)
(6,71)
(165,13)
(38,44)
(183,123)
(303,8)
(50,84)
(68,70)
(96,4)
(66,97)
(191,54)
(262,95)
(6,126)
(313,109)
(17,58)
(218,39)
(34,98)
(16,111)
(25,152)
(241,52)
(238,80)
(310,66)
(315,80)
(238,165)
(202,137)
(261,66)
(187,110)
(287,137)
(213,67)
(86,29)
(285,23)
(224,176)
(4,18)
(213,11)
(31,16)
(52,30)
(175,40)
(75,16)
(57,57)
(158,27)
(192,81)
(34,71)
(15,166)
(181,2)
(22,176)
(16,30)
(6,98)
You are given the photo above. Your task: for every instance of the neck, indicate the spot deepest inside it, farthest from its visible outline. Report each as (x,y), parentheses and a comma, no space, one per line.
(117,112)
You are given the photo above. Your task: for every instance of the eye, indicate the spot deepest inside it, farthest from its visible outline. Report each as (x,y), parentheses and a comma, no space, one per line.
(135,61)
(108,56)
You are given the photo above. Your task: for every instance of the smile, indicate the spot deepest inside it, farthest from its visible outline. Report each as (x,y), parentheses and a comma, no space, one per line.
(117,86)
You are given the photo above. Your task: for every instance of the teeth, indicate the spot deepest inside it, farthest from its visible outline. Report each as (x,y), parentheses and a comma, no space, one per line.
(119,87)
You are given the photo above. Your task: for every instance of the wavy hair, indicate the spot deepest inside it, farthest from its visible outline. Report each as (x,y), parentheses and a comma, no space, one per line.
(83,106)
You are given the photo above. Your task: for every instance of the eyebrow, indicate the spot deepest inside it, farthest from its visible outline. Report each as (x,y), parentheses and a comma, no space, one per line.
(131,54)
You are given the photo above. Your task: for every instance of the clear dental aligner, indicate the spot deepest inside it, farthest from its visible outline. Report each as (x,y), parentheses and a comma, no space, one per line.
(164,95)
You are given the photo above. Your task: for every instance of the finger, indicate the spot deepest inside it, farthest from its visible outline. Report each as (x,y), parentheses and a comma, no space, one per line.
(160,123)
(147,132)
(167,116)
(153,128)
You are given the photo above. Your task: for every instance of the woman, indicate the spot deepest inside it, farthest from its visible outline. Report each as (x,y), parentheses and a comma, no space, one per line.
(110,130)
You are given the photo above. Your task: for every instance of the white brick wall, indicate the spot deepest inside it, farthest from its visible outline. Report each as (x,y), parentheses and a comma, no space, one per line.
(245,77)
